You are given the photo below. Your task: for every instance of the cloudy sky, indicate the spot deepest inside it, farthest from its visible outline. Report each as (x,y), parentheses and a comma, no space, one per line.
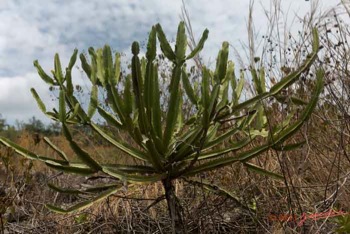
(37,29)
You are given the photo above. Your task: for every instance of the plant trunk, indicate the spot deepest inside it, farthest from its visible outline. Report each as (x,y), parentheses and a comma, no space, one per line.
(174,208)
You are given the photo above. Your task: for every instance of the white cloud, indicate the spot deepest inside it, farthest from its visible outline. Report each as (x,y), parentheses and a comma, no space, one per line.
(16,98)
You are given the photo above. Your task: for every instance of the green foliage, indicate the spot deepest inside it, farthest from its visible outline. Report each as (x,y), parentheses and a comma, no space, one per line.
(344,223)
(172,146)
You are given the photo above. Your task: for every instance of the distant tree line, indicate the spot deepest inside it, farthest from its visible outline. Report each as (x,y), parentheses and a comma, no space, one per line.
(39,129)
(33,125)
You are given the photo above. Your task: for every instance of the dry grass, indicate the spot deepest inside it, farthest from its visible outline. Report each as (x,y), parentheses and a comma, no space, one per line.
(315,181)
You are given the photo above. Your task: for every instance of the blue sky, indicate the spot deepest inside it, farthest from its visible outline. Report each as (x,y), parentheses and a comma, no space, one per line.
(37,29)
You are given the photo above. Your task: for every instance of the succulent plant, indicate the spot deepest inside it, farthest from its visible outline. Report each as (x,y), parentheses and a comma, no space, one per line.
(169,146)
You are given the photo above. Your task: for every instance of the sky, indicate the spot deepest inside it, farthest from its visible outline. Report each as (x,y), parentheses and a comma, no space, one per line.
(37,29)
